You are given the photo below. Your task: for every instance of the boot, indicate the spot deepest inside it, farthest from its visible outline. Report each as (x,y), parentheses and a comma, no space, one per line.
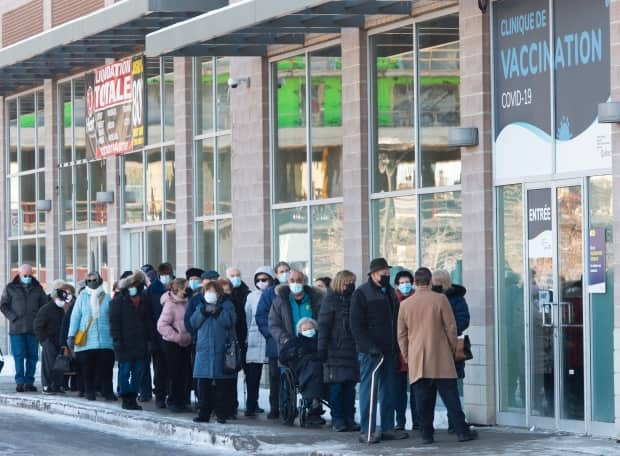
(129,402)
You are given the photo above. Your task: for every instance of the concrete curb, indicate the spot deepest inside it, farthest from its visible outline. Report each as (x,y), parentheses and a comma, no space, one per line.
(146,424)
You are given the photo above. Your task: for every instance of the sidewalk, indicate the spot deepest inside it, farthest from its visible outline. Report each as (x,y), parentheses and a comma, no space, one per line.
(260,436)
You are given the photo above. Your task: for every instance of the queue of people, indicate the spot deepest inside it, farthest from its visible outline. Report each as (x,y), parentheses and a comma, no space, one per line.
(396,340)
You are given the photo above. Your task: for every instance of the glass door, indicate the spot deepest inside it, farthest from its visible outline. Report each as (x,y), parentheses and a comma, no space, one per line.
(556,302)
(98,255)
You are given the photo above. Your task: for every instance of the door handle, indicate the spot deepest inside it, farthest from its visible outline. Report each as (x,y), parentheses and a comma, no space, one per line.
(547,315)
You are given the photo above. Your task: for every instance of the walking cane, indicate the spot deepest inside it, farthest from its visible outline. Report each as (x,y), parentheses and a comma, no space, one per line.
(371,413)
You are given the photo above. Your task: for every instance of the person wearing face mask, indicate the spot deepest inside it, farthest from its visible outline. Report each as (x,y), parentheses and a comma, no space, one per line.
(130,327)
(255,355)
(91,313)
(403,288)
(373,318)
(337,351)
(214,323)
(193,279)
(282,270)
(47,325)
(20,302)
(176,343)
(300,353)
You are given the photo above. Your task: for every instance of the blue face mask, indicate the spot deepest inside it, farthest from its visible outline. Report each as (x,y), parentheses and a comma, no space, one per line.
(164,279)
(194,284)
(405,288)
(26,280)
(236,281)
(132,291)
(309,332)
(296,288)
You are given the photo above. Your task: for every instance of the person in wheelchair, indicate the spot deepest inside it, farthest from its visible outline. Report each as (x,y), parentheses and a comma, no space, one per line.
(300,354)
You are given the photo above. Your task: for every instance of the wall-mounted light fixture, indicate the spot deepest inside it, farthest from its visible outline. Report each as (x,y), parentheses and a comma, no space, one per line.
(105,197)
(43,205)
(233,83)
(609,112)
(483,5)
(462,137)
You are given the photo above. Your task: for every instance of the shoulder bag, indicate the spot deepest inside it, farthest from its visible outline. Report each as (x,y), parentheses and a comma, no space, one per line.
(82,334)
(232,356)
(463,349)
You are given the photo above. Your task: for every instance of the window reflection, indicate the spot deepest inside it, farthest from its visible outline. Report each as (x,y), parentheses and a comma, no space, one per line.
(41,215)
(171,244)
(224,175)
(66,130)
(394,230)
(12,113)
(154,185)
(66,195)
(204,95)
(327,240)
(81,196)
(133,196)
(291,237)
(223,93)
(170,182)
(438,70)
(40,115)
(205,237)
(27,132)
(79,118)
(27,202)
(153,102)
(205,198)
(14,205)
(168,89)
(155,245)
(224,239)
(81,256)
(98,211)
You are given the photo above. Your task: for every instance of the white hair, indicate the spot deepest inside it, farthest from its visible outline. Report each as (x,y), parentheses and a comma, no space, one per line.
(306,320)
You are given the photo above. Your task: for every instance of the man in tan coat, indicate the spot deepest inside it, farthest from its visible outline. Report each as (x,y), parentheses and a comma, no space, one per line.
(427,340)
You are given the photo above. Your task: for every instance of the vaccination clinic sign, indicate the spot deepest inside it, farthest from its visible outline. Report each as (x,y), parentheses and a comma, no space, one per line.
(550,54)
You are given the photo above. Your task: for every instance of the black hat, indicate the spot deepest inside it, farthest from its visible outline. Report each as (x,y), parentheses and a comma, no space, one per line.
(378,264)
(193,272)
(210,275)
(403,273)
(125,274)
(147,268)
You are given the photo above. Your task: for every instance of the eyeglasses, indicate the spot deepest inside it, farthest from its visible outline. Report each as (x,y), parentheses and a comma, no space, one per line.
(91,281)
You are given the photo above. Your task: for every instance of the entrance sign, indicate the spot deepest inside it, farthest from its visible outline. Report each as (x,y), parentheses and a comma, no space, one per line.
(597,269)
(526,58)
(114,110)
(539,223)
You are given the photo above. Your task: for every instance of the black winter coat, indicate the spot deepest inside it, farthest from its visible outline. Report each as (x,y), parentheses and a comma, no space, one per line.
(47,323)
(238,297)
(130,327)
(374,317)
(456,296)
(153,296)
(20,304)
(336,339)
(64,327)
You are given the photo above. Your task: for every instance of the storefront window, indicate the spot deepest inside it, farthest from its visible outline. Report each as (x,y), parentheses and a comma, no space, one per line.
(511,329)
(307,162)
(394,230)
(213,164)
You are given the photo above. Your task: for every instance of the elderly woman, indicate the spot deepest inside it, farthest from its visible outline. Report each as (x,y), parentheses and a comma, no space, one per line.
(91,313)
(338,352)
(213,321)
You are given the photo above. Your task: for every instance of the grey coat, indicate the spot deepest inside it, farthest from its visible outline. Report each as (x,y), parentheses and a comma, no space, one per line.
(281,317)
(212,335)
(20,304)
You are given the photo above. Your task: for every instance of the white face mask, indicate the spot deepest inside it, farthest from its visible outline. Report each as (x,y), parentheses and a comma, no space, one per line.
(211,297)
(308,332)
(60,303)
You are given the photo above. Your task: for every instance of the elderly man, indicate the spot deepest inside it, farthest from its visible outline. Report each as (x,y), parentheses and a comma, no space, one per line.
(20,302)
(373,317)
(427,339)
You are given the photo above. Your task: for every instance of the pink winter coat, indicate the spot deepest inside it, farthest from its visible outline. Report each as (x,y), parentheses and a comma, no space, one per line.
(171,324)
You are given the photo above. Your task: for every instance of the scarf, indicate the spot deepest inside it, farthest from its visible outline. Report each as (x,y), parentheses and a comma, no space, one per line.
(94,300)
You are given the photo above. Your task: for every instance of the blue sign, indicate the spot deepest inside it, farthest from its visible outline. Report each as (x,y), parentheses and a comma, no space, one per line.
(596,263)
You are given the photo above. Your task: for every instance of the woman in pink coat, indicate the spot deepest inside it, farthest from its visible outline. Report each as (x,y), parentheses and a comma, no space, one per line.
(177,344)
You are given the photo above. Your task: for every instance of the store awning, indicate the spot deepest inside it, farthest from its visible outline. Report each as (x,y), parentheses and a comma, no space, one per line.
(247,28)
(112,32)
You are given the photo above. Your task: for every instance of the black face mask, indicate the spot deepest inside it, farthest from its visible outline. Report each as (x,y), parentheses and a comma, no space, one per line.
(349,288)
(92,284)
(384,281)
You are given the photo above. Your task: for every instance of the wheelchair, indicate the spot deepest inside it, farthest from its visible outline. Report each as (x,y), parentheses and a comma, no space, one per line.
(291,403)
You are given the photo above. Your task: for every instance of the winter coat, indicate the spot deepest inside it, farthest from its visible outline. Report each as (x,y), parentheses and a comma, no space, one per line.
(213,333)
(403,368)
(456,297)
(47,323)
(374,317)
(98,336)
(64,326)
(20,304)
(336,339)
(238,297)
(153,296)
(427,335)
(257,344)
(171,324)
(130,327)
(300,354)
(281,317)
(262,319)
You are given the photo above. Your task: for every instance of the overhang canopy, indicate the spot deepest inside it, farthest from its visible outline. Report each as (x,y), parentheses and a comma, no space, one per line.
(116,31)
(248,27)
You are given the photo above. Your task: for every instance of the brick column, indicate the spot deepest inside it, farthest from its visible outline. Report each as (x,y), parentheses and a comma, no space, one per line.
(249,108)
(183,164)
(52,253)
(355,150)
(614,14)
(477,200)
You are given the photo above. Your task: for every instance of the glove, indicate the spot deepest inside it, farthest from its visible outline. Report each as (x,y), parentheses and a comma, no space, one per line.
(209,310)
(374,351)
(323,356)
(71,342)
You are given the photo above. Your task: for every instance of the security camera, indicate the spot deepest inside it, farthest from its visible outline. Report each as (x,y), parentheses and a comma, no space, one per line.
(233,83)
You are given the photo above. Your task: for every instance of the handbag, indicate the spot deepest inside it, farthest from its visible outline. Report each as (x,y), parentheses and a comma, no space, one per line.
(62,363)
(232,357)
(463,349)
(81,335)
(1,360)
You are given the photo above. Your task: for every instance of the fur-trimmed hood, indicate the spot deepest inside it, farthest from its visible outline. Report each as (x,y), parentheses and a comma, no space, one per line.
(134,279)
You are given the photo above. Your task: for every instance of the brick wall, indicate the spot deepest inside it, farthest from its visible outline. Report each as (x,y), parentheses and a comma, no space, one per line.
(66,10)
(22,22)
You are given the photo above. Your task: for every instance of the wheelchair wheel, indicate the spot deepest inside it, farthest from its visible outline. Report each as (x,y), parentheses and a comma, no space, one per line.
(303,413)
(288,398)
